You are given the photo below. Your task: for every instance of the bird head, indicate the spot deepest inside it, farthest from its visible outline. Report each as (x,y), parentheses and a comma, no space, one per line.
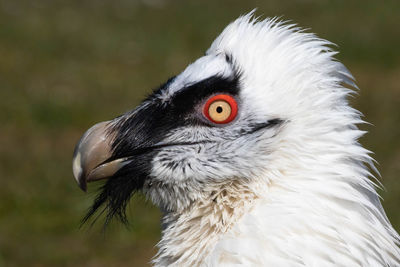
(243,112)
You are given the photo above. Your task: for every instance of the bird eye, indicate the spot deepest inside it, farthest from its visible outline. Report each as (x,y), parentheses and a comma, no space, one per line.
(220,109)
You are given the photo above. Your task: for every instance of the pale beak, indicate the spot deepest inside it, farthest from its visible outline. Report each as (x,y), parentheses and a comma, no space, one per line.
(91,154)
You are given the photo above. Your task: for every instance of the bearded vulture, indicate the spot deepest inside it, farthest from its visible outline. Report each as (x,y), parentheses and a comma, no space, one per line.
(252,155)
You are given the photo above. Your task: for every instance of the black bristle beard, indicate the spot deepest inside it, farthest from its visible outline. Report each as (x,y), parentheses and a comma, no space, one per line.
(115,194)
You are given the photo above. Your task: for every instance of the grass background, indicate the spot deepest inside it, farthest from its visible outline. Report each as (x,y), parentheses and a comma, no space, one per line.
(65,65)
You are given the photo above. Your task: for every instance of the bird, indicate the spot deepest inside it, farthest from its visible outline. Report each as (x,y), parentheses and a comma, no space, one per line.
(252,155)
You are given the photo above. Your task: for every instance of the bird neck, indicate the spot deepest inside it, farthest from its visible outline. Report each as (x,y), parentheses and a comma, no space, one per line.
(286,218)
(189,236)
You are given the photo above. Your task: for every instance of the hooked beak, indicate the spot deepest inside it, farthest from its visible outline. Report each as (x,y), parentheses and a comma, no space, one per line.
(91,154)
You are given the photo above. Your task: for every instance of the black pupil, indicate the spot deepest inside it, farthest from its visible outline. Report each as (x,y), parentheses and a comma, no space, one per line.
(219,109)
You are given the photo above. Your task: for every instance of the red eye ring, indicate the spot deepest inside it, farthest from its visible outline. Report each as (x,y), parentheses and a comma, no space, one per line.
(220,109)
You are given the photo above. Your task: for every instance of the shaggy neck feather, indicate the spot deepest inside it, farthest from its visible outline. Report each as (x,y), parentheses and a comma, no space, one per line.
(274,221)
(189,236)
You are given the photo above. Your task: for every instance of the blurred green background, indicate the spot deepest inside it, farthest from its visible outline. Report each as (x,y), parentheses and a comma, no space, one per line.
(65,65)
